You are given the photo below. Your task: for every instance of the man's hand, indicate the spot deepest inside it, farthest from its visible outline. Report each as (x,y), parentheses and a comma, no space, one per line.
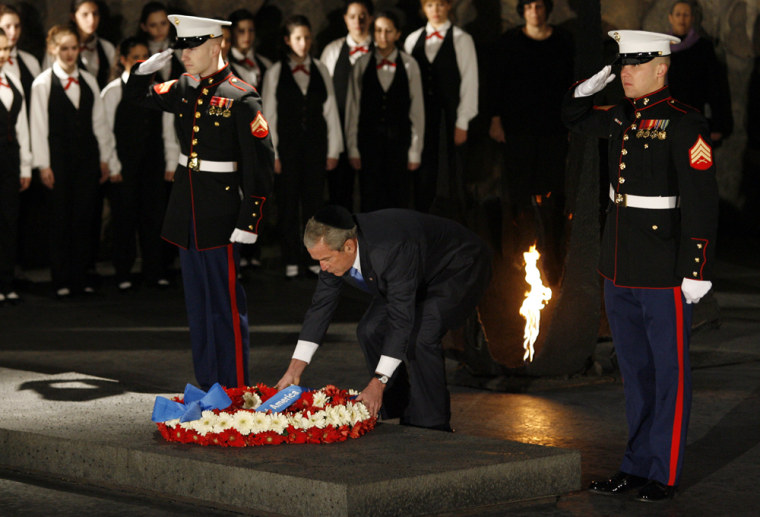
(372,396)
(292,375)
(169,176)
(105,172)
(694,290)
(277,166)
(460,136)
(24,183)
(243,237)
(356,163)
(595,83)
(47,177)
(496,131)
(331,163)
(155,62)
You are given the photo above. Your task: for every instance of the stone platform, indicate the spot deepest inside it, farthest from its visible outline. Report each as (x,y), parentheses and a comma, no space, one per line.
(89,430)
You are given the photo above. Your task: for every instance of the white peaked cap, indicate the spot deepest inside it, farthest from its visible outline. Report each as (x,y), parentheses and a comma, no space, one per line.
(642,46)
(193,31)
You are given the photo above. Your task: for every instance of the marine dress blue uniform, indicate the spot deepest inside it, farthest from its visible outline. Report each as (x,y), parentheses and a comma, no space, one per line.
(222,181)
(661,227)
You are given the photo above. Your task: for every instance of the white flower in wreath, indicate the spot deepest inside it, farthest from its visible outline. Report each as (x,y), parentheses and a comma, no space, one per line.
(172,422)
(298,421)
(243,421)
(334,417)
(320,399)
(353,392)
(260,422)
(318,419)
(223,422)
(359,412)
(251,400)
(278,422)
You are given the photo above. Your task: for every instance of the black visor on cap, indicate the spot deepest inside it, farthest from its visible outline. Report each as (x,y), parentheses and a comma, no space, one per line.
(335,216)
(636,58)
(192,42)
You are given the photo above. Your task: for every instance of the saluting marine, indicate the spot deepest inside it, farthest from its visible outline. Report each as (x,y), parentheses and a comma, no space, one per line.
(658,249)
(222,181)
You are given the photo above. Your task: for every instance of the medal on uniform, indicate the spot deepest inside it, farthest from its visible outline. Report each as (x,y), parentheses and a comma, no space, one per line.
(653,129)
(220,106)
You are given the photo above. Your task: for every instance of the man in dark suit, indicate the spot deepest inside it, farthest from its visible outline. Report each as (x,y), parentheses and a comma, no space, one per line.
(425,274)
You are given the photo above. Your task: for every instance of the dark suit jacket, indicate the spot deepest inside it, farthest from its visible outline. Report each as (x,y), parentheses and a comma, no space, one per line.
(408,259)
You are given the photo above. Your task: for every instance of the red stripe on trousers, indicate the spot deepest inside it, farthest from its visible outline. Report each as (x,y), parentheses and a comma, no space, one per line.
(675,444)
(232,281)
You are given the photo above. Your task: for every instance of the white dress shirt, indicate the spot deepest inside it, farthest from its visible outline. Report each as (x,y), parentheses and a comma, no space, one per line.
(305,349)
(22,123)
(329,107)
(89,55)
(467,62)
(355,50)
(112,95)
(249,71)
(385,75)
(39,114)
(29,60)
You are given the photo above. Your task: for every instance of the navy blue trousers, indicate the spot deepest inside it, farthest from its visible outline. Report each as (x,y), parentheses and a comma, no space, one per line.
(651,329)
(216,312)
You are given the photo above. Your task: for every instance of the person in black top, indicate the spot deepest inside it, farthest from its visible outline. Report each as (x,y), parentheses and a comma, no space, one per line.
(137,201)
(15,168)
(696,77)
(533,69)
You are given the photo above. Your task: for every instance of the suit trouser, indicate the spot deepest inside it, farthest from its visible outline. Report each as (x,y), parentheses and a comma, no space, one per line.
(651,328)
(216,312)
(417,391)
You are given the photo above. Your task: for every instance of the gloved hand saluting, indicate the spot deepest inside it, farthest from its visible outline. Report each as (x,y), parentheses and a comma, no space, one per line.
(155,62)
(694,290)
(595,83)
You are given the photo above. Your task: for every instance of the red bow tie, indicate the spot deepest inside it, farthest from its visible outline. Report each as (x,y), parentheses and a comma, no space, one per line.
(434,34)
(358,48)
(250,62)
(82,48)
(300,68)
(385,62)
(10,60)
(71,80)
(2,83)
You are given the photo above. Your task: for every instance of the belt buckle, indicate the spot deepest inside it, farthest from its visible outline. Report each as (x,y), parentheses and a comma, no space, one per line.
(194,164)
(621,200)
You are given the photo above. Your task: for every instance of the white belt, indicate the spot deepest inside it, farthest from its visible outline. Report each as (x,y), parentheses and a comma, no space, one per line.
(654,202)
(206,165)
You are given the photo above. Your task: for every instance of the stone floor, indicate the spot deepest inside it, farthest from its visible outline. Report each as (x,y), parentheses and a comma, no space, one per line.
(140,340)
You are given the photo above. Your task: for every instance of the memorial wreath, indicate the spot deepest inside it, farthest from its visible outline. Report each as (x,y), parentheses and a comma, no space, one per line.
(261,415)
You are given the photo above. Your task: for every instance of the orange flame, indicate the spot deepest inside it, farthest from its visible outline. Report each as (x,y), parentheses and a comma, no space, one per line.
(535,300)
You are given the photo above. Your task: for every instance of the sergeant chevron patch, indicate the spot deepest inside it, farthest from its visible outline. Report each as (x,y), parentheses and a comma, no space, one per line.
(259,126)
(164,87)
(700,155)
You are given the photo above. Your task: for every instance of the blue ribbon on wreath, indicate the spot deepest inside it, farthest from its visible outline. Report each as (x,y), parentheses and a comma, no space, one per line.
(196,402)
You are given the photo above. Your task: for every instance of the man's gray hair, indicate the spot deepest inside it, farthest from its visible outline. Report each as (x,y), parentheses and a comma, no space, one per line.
(334,238)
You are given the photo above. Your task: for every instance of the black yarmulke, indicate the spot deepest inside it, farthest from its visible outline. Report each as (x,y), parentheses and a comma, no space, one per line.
(335,216)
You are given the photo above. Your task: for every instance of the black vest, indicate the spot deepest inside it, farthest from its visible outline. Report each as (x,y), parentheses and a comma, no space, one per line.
(385,114)
(341,76)
(8,118)
(104,67)
(299,116)
(70,134)
(441,78)
(26,80)
(139,133)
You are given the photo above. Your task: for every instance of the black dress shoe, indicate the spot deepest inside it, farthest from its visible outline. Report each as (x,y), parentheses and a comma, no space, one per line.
(654,492)
(619,483)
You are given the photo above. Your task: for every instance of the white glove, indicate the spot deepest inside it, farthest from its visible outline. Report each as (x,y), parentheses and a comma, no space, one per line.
(595,83)
(155,62)
(694,290)
(243,237)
